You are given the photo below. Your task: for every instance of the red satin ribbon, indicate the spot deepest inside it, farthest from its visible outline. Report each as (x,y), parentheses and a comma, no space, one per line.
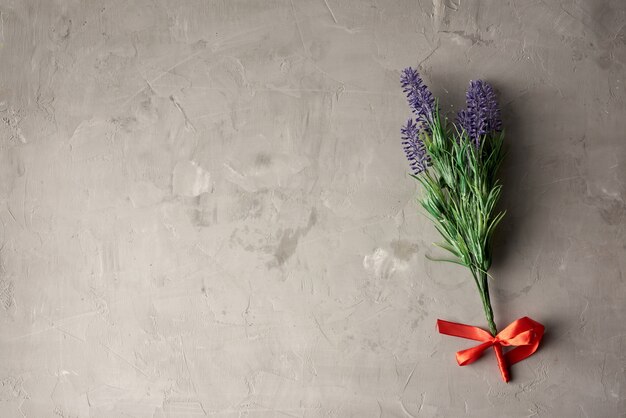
(524,333)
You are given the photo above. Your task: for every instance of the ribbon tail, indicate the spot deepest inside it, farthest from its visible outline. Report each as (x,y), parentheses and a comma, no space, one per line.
(502,362)
(470,355)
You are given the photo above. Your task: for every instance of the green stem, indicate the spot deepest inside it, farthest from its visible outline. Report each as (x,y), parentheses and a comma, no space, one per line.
(481,279)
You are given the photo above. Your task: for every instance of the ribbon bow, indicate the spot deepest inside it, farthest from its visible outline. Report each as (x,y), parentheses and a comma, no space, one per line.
(524,333)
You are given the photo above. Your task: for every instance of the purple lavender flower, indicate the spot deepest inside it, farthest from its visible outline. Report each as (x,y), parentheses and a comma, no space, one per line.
(414,147)
(422,103)
(482,115)
(420,99)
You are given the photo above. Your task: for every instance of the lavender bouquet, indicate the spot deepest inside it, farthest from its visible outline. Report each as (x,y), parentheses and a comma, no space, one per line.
(457,164)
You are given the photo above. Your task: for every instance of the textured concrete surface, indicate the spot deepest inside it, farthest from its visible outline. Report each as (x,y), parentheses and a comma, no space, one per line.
(206,209)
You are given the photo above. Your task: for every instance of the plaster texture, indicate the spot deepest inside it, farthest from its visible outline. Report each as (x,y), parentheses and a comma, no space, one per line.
(205,209)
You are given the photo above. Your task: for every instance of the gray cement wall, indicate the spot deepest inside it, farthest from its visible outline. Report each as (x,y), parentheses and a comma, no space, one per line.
(206,210)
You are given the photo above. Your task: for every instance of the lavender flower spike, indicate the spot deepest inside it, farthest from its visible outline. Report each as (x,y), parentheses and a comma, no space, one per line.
(414,147)
(482,115)
(420,99)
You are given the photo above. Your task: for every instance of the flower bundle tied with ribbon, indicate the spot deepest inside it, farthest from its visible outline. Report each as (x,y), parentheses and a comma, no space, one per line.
(457,164)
